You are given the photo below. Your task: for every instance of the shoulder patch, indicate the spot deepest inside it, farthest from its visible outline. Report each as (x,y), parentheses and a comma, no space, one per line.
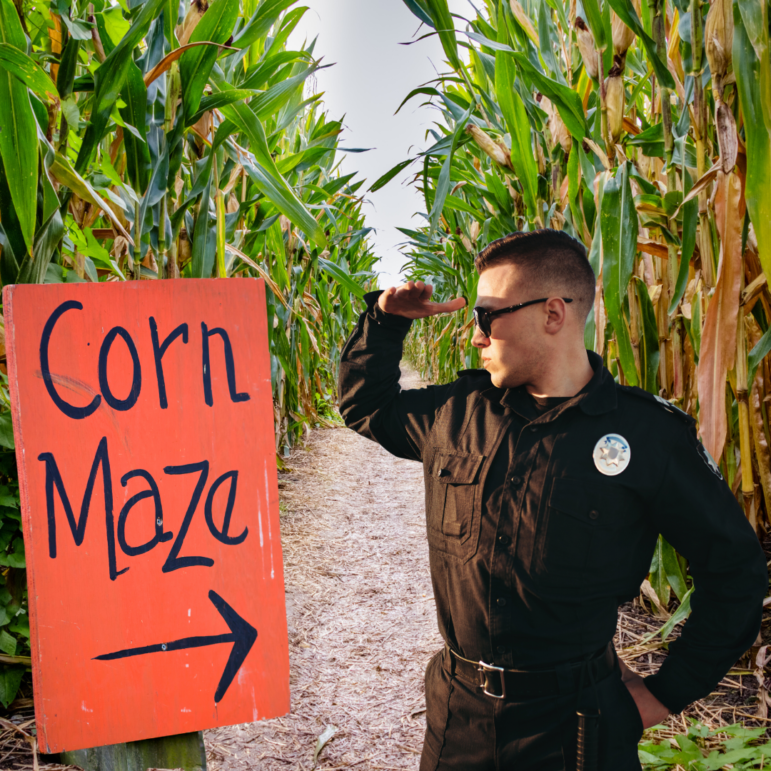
(686,418)
(663,403)
(708,459)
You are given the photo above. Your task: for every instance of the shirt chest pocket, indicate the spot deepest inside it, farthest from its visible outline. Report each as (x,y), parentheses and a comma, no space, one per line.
(570,528)
(455,488)
(588,528)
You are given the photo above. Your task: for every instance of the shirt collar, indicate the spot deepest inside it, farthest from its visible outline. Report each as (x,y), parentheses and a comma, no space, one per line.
(597,397)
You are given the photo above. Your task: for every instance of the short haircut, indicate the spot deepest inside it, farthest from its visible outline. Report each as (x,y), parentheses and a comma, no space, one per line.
(551,260)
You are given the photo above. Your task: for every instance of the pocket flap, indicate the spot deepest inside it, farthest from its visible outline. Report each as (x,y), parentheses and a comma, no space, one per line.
(568,495)
(457,468)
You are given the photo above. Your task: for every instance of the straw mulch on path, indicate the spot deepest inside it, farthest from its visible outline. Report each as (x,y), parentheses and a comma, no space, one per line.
(362,625)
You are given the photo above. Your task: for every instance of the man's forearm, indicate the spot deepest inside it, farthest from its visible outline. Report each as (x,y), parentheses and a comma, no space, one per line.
(369,377)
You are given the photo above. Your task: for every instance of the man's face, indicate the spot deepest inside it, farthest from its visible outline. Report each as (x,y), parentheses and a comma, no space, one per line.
(515,351)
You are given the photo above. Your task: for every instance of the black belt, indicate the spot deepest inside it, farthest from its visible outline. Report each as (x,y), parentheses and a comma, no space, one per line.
(503,683)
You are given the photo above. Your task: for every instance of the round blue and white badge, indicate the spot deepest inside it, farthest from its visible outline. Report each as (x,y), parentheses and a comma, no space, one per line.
(611,454)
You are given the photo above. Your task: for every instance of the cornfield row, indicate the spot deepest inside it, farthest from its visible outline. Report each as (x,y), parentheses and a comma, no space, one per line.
(157,140)
(645,132)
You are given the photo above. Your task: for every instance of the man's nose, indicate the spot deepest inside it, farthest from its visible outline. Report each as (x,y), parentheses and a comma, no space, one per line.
(478,340)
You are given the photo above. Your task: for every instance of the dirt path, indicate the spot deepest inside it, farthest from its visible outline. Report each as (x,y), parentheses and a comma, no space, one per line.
(360,613)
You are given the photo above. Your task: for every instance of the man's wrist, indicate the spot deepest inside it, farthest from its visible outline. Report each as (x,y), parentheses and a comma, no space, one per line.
(383,318)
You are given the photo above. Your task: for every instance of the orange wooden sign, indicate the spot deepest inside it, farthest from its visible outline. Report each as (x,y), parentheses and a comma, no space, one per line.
(144,433)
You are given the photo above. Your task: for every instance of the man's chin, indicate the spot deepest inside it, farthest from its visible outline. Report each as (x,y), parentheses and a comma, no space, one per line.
(497,379)
(500,380)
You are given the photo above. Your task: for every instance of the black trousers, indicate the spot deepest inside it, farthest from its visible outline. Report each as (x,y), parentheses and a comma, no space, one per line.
(471,731)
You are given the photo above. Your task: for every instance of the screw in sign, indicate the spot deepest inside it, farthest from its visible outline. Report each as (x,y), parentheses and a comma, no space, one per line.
(145,442)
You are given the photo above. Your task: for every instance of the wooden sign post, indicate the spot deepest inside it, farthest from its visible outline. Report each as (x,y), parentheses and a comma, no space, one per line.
(145,442)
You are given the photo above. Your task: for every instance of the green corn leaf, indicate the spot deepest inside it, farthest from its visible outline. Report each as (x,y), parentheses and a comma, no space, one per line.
(262,20)
(495,45)
(658,574)
(7,441)
(574,187)
(425,90)
(758,139)
(619,226)
(112,28)
(220,209)
(754,15)
(595,23)
(65,80)
(33,268)
(202,257)
(112,73)
(567,101)
(546,43)
(679,615)
(14,247)
(271,101)
(443,183)
(28,72)
(695,328)
(649,340)
(134,94)
(454,203)
(673,569)
(513,109)
(287,26)
(18,130)
(390,174)
(264,172)
(61,170)
(221,99)
(109,79)
(262,72)
(418,7)
(196,64)
(757,354)
(445,27)
(341,277)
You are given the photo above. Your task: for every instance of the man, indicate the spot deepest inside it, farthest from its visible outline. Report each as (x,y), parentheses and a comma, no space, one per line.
(547,485)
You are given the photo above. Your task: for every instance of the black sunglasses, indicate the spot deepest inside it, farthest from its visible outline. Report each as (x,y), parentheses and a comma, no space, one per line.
(483,317)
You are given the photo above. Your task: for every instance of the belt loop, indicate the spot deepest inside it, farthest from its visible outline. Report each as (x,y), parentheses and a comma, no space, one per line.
(611,656)
(565,679)
(449,660)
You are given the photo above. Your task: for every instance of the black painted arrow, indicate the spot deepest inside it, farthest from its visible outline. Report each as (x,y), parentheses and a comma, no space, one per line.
(242,635)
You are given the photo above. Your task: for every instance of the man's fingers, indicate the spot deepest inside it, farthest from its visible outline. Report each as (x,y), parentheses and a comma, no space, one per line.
(413,299)
(450,306)
(418,290)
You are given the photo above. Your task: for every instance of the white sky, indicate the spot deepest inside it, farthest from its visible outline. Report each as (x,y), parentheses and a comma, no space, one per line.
(371,76)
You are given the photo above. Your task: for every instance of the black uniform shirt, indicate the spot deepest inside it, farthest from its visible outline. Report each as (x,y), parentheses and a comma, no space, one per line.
(532,549)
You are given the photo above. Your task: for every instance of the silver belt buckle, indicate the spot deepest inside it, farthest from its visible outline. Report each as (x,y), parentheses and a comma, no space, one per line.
(485,668)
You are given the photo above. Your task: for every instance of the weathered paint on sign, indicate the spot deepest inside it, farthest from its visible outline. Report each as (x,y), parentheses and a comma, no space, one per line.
(145,441)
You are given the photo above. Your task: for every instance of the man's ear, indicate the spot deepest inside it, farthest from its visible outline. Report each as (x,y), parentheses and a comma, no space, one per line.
(556,315)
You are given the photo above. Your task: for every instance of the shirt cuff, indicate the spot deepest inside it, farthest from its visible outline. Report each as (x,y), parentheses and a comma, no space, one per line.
(383,319)
(673,686)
